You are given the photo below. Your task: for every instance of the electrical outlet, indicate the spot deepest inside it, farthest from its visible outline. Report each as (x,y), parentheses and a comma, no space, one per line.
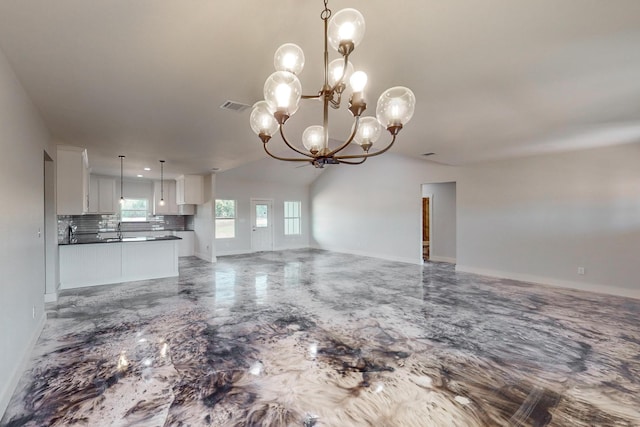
(581,271)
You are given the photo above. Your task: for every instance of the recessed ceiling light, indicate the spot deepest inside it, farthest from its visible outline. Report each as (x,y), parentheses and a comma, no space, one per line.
(139,176)
(147,169)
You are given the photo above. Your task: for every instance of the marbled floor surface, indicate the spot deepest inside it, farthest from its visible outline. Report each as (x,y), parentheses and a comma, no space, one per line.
(314,338)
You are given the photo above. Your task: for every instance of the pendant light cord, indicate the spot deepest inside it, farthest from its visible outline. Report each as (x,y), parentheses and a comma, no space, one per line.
(161,179)
(121,177)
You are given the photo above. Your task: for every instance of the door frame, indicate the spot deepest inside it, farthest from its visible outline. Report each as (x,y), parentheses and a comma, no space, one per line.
(252,216)
(430,197)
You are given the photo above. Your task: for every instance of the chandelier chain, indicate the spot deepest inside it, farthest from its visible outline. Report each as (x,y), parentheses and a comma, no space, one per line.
(326,13)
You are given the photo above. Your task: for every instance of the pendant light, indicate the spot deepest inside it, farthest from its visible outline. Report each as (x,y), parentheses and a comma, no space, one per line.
(121,181)
(161,183)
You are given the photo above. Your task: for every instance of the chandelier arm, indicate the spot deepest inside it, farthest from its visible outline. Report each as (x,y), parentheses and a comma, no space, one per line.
(353,134)
(284,138)
(344,70)
(367,155)
(318,96)
(286,159)
(353,163)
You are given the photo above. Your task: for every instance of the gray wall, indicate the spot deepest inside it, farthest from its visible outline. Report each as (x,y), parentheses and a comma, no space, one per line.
(540,218)
(23,140)
(535,219)
(374,209)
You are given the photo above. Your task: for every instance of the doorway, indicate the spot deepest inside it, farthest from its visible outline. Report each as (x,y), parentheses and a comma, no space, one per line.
(438,228)
(426,226)
(261,225)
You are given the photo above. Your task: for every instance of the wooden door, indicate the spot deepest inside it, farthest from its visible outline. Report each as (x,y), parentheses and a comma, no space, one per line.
(425,228)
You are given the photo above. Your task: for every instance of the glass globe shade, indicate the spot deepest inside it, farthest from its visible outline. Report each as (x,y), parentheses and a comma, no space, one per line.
(358,81)
(335,71)
(262,120)
(289,57)
(395,106)
(282,91)
(346,26)
(368,132)
(161,202)
(313,138)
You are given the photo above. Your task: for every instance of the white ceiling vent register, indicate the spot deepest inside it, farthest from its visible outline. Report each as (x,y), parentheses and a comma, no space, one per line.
(235,106)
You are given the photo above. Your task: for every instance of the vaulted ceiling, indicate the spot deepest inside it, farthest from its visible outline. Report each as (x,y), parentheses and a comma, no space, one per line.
(493,79)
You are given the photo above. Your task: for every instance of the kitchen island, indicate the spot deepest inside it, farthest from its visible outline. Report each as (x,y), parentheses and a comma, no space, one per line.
(91,261)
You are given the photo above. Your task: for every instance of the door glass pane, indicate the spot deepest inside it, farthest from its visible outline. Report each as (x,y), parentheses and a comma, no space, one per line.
(262,216)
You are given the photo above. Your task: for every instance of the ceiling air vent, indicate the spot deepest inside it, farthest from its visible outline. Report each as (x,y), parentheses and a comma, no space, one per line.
(428,154)
(235,106)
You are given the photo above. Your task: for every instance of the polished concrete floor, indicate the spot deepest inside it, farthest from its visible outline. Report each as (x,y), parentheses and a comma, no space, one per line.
(315,338)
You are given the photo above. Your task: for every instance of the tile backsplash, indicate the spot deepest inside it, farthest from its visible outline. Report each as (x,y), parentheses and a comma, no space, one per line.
(96,223)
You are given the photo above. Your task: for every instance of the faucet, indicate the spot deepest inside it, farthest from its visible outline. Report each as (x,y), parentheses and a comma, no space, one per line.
(119,230)
(71,233)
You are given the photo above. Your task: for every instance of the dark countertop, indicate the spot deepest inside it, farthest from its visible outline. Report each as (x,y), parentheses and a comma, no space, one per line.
(85,239)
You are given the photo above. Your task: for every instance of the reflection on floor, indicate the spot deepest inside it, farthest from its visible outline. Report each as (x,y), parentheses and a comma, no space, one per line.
(314,338)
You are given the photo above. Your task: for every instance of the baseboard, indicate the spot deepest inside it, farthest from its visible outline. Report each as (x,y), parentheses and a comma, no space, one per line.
(53,297)
(442,259)
(249,251)
(235,252)
(417,261)
(7,391)
(549,281)
(206,257)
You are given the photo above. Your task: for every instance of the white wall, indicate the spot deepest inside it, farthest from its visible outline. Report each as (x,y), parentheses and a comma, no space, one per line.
(231,186)
(442,238)
(540,218)
(534,219)
(135,189)
(52,270)
(23,140)
(374,209)
(205,245)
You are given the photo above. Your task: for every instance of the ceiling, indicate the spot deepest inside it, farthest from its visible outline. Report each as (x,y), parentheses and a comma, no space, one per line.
(493,79)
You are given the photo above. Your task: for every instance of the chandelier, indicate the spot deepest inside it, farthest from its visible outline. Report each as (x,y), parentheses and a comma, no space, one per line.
(283,92)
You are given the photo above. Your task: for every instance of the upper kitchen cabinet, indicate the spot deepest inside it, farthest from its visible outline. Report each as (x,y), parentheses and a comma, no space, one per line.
(190,190)
(102,195)
(171,206)
(72,180)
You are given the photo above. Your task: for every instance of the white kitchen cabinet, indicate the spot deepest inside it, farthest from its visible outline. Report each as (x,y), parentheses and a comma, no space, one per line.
(72,180)
(104,263)
(186,246)
(190,190)
(102,195)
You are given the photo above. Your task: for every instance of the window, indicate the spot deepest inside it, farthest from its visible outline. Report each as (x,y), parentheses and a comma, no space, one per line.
(225,219)
(292,218)
(134,210)
(262,216)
